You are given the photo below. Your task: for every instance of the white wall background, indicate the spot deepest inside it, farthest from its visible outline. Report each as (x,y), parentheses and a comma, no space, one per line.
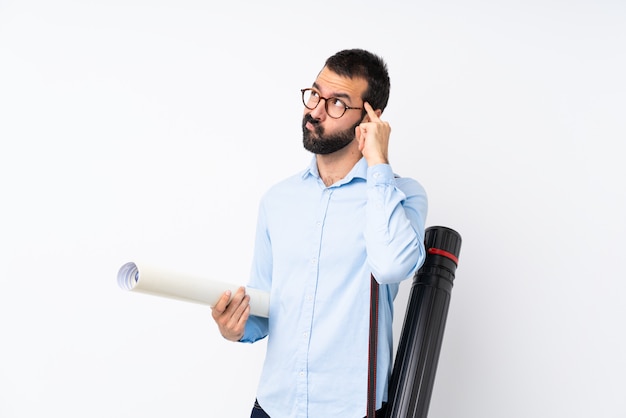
(127,133)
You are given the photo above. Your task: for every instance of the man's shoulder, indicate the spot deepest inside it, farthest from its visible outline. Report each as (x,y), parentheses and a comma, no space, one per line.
(287,185)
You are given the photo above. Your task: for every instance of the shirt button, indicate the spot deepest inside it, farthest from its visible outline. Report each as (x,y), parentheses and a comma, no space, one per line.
(301,374)
(305,334)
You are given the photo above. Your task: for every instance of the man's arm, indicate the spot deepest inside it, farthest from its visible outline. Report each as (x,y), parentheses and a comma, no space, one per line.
(396,209)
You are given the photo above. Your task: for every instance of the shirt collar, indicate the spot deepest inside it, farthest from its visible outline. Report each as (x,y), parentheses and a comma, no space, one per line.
(358,171)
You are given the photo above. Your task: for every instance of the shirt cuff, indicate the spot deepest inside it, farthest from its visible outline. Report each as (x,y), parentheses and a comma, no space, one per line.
(380,174)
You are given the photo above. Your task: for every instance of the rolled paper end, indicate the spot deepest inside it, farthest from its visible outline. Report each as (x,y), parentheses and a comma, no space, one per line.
(185,287)
(128,276)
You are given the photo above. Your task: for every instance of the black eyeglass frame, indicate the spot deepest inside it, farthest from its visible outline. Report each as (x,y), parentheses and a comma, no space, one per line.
(345,106)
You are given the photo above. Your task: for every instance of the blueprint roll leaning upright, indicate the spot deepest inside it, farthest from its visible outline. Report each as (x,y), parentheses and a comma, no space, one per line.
(156,281)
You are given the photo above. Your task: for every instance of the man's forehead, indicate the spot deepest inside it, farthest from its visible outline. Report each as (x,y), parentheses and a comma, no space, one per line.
(331,83)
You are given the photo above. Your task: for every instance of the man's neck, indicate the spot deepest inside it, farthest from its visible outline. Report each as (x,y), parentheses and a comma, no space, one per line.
(333,167)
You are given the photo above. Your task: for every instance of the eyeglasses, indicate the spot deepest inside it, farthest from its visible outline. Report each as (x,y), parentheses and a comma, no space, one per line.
(335,108)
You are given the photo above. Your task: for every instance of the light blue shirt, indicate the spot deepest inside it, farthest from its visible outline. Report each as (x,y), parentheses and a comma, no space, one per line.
(315,249)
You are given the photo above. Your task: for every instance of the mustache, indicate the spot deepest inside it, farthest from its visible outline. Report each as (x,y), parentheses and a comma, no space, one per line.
(310,119)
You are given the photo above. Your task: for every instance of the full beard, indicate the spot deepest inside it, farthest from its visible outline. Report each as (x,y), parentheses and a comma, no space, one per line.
(318,143)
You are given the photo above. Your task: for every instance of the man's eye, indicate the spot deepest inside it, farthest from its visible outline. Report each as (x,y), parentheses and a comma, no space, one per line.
(337,103)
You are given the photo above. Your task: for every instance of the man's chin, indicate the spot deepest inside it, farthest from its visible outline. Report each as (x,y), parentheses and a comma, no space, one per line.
(323,148)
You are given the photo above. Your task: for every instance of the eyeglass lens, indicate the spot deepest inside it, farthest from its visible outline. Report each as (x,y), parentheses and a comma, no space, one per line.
(334,107)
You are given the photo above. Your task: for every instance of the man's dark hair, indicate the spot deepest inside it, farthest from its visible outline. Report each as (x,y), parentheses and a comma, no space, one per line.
(355,63)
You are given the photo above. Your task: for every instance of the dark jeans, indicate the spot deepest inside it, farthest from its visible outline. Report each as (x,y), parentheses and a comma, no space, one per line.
(258,412)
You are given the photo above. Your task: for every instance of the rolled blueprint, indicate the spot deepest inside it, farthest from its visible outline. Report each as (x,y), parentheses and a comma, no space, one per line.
(159,282)
(415,366)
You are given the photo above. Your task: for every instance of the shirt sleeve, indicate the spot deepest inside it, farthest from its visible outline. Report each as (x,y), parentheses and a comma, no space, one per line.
(260,277)
(395,221)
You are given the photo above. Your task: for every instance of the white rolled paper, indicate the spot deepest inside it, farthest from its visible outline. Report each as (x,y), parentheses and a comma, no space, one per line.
(155,281)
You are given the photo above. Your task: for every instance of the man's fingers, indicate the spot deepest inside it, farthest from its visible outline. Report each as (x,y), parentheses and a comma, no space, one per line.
(242,306)
(221,304)
(228,304)
(370,112)
(244,315)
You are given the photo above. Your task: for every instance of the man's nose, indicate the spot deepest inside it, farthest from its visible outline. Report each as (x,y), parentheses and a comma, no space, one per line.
(320,110)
